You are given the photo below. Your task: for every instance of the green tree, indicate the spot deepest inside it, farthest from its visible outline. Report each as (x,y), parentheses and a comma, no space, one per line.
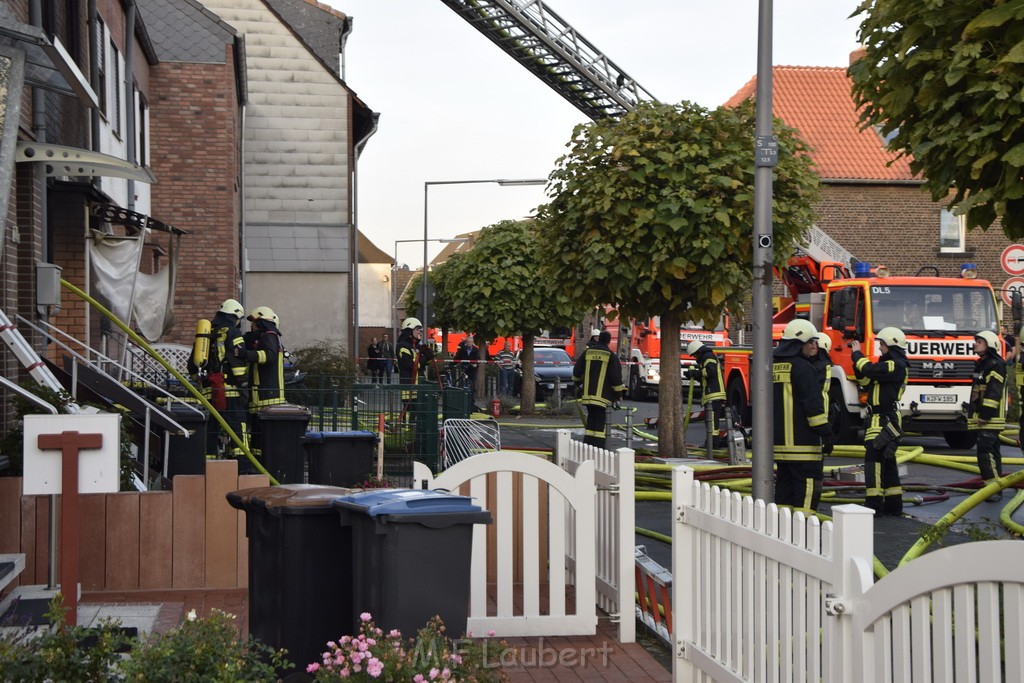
(652,214)
(944,79)
(496,289)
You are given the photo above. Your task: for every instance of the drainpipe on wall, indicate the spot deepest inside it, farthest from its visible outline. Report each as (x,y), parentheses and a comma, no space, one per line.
(94,80)
(357,151)
(35,17)
(129,94)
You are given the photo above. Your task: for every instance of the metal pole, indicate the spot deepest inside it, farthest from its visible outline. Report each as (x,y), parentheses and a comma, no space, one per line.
(765,156)
(423,289)
(394,300)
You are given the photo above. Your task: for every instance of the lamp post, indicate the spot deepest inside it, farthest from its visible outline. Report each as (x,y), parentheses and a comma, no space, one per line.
(503,182)
(394,297)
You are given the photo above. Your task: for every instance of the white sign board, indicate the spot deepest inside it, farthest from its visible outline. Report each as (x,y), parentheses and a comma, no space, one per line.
(1012,259)
(98,469)
(1013,284)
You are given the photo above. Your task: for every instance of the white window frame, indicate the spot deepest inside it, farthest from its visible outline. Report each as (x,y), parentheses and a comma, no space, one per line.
(961,221)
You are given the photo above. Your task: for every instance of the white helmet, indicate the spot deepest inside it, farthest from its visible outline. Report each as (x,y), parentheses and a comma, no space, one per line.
(892,336)
(232,307)
(825,342)
(411,323)
(693,347)
(990,339)
(595,332)
(265,313)
(801,329)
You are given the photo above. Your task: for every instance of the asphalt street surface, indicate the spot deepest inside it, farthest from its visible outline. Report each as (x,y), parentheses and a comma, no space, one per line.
(893,535)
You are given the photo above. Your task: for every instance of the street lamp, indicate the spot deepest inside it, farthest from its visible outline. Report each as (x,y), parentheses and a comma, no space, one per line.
(503,182)
(394,297)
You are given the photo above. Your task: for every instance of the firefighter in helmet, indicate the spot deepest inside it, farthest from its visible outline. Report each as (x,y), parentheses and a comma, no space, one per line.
(709,371)
(600,373)
(265,355)
(988,406)
(224,376)
(801,421)
(408,351)
(885,381)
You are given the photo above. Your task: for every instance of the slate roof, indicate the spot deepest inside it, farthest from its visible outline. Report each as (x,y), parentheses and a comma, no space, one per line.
(320,27)
(185,31)
(817,102)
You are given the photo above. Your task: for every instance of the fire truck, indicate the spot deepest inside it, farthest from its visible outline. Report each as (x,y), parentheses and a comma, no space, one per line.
(939,315)
(638,344)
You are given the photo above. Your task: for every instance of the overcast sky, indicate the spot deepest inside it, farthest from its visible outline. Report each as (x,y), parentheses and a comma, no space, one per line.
(454,106)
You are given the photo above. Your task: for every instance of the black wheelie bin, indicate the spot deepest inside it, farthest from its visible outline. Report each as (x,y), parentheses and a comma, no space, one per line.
(300,568)
(411,556)
(340,458)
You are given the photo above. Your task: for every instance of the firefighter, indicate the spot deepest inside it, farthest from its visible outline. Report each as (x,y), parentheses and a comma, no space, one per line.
(885,382)
(823,366)
(709,370)
(599,373)
(225,372)
(408,351)
(988,406)
(800,418)
(265,355)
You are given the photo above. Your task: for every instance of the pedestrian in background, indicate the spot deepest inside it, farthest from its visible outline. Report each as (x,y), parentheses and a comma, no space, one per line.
(886,381)
(387,357)
(468,358)
(599,372)
(373,361)
(505,361)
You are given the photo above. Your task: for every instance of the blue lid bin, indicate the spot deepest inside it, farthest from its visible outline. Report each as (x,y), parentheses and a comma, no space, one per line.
(300,568)
(411,553)
(339,458)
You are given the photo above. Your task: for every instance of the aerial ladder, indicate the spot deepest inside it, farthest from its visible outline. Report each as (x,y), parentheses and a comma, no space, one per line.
(554,52)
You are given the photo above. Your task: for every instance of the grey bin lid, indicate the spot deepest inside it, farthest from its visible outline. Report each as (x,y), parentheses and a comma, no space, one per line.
(283,411)
(435,509)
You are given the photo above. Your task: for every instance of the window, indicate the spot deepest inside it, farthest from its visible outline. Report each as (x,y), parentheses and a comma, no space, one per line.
(115,89)
(952,231)
(102,63)
(142,130)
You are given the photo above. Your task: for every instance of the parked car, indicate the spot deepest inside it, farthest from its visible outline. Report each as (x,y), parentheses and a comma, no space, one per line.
(550,365)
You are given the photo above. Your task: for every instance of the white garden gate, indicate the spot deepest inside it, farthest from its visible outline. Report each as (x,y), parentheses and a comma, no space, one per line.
(523,554)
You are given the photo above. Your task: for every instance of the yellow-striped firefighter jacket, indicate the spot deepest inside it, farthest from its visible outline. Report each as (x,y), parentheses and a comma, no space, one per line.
(600,372)
(227,352)
(988,393)
(712,384)
(800,410)
(266,365)
(885,380)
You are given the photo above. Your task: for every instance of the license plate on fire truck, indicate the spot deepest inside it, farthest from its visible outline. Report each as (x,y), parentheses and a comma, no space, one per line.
(938,398)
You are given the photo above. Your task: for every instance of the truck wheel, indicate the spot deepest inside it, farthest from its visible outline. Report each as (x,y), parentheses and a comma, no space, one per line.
(636,392)
(840,418)
(737,398)
(960,439)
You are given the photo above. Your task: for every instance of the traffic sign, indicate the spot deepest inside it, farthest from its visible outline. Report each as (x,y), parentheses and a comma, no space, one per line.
(1013,284)
(1012,259)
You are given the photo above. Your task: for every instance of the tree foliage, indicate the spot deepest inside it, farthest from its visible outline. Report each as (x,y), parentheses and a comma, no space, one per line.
(946,80)
(652,213)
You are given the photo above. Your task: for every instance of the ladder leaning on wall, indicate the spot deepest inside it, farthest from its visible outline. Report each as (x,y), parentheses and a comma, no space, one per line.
(35,365)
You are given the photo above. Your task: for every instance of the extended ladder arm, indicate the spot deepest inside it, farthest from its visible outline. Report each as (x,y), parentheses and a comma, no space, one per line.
(554,52)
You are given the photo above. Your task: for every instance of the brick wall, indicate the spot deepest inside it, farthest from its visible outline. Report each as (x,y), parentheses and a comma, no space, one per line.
(899,226)
(196,135)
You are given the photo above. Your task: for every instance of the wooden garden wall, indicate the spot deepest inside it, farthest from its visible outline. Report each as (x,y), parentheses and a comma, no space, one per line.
(186,538)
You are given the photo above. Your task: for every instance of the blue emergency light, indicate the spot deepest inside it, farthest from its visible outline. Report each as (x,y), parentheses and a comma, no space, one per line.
(862,269)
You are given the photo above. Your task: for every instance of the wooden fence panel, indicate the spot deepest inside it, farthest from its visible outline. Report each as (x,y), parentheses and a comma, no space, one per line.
(28,539)
(189,515)
(122,541)
(221,524)
(156,542)
(10,515)
(42,534)
(92,541)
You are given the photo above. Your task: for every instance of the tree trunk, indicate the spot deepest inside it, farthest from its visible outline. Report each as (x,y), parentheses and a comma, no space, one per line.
(528,394)
(481,376)
(671,439)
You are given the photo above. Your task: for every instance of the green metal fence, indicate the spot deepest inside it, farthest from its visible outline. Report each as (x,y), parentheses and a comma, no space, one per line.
(412,416)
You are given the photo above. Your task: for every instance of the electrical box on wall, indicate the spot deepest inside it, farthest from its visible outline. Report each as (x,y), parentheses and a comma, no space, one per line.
(47,284)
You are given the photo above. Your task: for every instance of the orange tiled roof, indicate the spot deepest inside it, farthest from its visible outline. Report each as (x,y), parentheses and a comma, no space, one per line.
(817,102)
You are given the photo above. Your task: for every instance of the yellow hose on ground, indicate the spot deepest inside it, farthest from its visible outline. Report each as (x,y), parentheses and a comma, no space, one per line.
(174,372)
(1005,515)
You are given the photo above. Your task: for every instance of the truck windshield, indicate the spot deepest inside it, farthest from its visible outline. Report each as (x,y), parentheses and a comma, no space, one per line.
(925,310)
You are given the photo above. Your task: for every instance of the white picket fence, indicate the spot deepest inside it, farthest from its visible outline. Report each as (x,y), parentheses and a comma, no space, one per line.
(761,594)
(614,525)
(522,487)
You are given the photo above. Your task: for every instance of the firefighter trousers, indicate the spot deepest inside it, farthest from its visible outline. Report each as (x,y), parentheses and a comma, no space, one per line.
(798,483)
(883,491)
(593,432)
(990,458)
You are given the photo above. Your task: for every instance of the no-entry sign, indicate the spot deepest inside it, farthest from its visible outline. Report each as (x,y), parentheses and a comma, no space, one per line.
(1012,259)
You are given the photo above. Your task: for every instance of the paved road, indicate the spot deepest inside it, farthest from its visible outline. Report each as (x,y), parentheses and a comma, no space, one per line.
(893,536)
